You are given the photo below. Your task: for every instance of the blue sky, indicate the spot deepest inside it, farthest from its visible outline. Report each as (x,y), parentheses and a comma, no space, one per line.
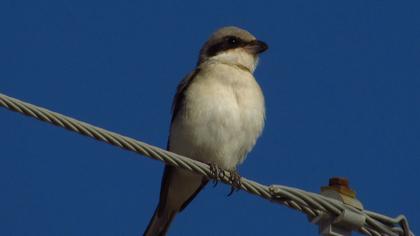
(341,81)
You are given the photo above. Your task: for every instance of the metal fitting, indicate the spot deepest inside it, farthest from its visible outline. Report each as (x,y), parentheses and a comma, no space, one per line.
(350,219)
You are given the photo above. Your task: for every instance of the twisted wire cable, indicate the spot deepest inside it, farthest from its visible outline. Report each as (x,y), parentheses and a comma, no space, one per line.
(311,204)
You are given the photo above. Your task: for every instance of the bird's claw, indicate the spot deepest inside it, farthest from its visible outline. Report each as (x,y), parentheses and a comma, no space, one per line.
(235,180)
(217,173)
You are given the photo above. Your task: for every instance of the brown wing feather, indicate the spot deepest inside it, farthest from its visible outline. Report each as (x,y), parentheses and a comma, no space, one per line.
(177,106)
(179,98)
(166,179)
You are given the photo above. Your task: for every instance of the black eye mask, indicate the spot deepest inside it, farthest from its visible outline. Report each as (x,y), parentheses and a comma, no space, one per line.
(226,43)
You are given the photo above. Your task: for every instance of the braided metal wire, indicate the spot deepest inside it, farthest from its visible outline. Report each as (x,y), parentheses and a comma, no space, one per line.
(311,204)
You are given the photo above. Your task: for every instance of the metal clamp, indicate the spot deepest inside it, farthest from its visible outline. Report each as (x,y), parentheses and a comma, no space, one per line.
(349,219)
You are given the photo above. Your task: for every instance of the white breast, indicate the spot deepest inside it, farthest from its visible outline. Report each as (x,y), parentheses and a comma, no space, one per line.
(223,117)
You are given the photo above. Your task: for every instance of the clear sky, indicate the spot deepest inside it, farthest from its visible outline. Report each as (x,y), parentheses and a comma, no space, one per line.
(341,81)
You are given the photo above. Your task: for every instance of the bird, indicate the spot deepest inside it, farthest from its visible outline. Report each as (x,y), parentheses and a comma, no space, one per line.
(218,113)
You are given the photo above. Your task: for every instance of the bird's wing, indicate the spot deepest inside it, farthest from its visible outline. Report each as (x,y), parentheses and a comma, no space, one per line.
(174,196)
(179,99)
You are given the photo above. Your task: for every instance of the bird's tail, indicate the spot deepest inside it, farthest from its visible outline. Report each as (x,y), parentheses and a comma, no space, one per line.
(159,224)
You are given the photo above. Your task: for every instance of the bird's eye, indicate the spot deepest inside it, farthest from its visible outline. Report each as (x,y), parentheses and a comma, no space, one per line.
(233,40)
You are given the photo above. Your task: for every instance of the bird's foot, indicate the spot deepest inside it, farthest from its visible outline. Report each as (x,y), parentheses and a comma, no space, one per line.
(235,179)
(217,173)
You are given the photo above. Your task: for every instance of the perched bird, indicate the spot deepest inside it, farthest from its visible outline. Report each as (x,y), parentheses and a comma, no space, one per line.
(217,115)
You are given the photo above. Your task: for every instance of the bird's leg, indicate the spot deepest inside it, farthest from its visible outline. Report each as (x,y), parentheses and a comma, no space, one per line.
(235,179)
(217,173)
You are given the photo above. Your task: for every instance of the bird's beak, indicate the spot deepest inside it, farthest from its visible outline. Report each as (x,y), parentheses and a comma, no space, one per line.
(256,47)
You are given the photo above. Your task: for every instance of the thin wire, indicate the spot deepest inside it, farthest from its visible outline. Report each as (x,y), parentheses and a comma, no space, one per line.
(309,203)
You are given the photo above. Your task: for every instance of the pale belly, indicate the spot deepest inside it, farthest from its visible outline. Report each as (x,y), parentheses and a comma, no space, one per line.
(221,121)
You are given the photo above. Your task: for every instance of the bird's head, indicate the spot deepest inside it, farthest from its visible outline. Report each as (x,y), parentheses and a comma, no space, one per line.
(233,45)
